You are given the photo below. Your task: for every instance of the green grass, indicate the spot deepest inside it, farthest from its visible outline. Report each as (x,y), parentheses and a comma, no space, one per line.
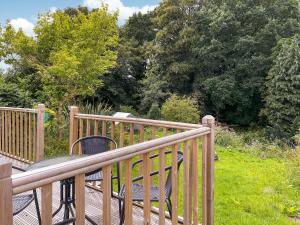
(250,190)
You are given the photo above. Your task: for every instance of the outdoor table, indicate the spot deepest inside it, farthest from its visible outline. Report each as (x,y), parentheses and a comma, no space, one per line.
(67,188)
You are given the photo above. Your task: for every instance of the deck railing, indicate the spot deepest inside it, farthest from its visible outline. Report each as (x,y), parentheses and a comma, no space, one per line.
(22,133)
(175,136)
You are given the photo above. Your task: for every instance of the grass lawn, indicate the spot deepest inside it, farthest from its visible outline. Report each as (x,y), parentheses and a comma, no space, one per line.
(250,190)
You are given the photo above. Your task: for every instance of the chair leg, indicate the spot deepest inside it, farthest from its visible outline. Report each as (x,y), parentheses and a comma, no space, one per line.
(169,206)
(37,207)
(122,213)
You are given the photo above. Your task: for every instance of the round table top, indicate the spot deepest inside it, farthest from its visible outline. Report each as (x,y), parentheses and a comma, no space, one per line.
(53,161)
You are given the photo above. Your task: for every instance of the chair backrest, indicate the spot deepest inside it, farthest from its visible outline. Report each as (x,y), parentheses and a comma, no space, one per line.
(95,144)
(169,177)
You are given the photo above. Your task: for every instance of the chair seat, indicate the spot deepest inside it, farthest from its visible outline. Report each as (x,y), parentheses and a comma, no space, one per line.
(97,176)
(20,202)
(138,192)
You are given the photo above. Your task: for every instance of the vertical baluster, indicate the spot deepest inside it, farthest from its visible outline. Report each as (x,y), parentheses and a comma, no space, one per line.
(80,133)
(195,181)
(6,133)
(17,134)
(30,137)
(131,134)
(9,133)
(13,133)
(204,180)
(121,135)
(88,128)
(174,184)
(25,137)
(80,199)
(162,190)
(146,186)
(107,195)
(95,127)
(2,132)
(21,136)
(153,136)
(141,139)
(104,128)
(112,131)
(46,200)
(34,155)
(128,192)
(186,184)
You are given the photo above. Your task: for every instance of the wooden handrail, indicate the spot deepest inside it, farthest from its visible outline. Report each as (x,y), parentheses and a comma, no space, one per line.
(32,179)
(18,109)
(160,123)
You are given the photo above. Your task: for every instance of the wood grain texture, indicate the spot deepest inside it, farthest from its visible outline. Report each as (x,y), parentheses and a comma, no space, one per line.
(46,202)
(80,199)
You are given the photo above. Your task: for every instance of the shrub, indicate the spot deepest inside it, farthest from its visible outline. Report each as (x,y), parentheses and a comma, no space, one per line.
(154,112)
(180,109)
(227,138)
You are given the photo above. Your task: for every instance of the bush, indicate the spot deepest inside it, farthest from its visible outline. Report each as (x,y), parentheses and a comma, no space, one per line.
(180,109)
(227,138)
(154,112)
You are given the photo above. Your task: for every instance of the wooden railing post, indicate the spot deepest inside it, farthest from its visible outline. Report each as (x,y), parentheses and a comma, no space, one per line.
(40,132)
(209,154)
(73,126)
(6,210)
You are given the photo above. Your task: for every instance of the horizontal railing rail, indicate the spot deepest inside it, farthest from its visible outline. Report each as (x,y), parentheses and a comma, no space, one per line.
(22,133)
(158,123)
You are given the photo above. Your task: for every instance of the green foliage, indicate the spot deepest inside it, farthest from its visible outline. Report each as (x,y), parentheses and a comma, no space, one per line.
(12,96)
(96,108)
(122,85)
(283,89)
(70,53)
(219,51)
(154,112)
(180,109)
(228,138)
(128,109)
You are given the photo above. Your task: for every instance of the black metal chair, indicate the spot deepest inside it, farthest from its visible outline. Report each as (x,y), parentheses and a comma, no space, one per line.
(94,145)
(138,189)
(22,201)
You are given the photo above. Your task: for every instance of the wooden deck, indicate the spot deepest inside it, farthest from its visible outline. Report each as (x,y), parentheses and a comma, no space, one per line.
(93,206)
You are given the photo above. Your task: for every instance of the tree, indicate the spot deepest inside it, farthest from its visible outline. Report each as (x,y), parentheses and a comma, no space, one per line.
(283,88)
(171,68)
(122,85)
(219,51)
(69,55)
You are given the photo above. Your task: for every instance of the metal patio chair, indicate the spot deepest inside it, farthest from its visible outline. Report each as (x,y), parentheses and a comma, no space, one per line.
(138,189)
(94,145)
(22,201)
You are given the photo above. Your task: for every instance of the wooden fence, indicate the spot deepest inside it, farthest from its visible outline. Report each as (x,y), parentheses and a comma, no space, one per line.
(133,142)
(22,133)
